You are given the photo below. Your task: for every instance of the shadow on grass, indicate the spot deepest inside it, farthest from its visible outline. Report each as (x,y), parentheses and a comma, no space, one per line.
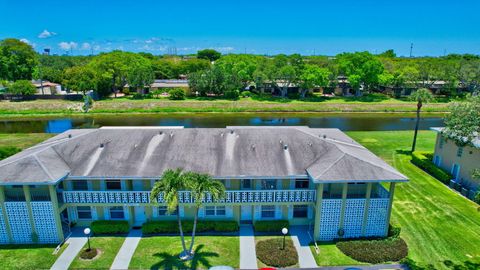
(27,246)
(403,152)
(169,261)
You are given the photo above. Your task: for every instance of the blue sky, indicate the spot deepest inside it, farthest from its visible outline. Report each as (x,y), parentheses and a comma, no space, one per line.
(262,27)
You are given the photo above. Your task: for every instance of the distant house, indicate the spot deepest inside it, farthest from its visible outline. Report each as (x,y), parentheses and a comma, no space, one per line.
(460,161)
(48,88)
(162,84)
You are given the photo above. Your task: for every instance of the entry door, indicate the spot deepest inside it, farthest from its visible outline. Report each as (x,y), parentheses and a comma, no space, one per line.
(140,216)
(455,171)
(246,212)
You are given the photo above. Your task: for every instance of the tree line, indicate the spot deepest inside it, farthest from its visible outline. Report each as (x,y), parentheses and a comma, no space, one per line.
(211,73)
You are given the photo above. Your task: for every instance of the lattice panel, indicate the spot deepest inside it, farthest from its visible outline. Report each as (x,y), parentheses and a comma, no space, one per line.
(352,224)
(377,217)
(44,219)
(3,229)
(19,222)
(330,219)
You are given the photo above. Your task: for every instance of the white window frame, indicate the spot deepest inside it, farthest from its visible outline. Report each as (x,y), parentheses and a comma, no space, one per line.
(85,210)
(267,209)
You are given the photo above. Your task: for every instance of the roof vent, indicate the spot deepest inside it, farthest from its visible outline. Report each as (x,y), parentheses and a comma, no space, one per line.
(285,147)
(69,135)
(281,142)
(231,131)
(171,134)
(310,144)
(221,134)
(324,136)
(253,147)
(161,132)
(102,145)
(135,145)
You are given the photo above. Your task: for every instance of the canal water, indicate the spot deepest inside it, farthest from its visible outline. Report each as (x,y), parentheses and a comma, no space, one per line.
(345,122)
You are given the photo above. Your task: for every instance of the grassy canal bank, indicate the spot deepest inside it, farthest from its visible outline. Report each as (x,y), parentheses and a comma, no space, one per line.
(197,105)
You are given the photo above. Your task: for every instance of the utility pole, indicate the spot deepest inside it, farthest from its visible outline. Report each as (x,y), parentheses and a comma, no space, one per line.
(411,49)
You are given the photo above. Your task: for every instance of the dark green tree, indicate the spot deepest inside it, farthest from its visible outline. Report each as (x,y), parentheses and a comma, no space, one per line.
(22,87)
(209,54)
(17,60)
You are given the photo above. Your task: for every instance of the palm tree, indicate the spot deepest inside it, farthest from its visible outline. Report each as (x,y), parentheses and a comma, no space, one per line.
(202,185)
(172,181)
(421,96)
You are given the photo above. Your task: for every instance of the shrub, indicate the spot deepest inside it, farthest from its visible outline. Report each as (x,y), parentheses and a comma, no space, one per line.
(177,94)
(22,87)
(394,231)
(375,251)
(422,161)
(270,252)
(270,225)
(110,227)
(232,94)
(170,226)
(246,94)
(6,151)
(88,254)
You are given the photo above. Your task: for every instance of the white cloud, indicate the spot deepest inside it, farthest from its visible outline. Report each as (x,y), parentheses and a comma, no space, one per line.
(67,45)
(46,34)
(86,46)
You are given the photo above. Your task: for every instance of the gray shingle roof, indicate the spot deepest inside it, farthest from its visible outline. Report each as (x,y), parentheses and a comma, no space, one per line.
(232,152)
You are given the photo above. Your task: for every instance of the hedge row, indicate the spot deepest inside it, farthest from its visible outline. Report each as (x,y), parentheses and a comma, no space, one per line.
(110,227)
(6,151)
(270,252)
(159,227)
(375,251)
(270,225)
(422,160)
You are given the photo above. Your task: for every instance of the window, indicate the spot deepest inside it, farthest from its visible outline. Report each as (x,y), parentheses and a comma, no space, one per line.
(268,211)
(301,183)
(460,151)
(246,184)
(269,184)
(300,211)
(84,212)
(116,212)
(212,211)
(80,185)
(440,143)
(114,185)
(162,211)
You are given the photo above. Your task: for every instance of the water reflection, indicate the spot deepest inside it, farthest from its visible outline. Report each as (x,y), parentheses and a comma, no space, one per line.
(343,122)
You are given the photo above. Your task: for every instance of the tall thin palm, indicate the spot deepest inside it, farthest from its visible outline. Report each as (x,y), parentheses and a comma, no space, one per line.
(172,181)
(421,96)
(201,186)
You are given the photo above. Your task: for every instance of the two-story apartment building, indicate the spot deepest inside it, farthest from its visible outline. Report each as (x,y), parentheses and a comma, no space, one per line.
(460,161)
(316,177)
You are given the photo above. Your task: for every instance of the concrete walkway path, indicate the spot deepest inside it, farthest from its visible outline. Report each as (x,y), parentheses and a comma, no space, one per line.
(125,254)
(301,241)
(75,242)
(248,256)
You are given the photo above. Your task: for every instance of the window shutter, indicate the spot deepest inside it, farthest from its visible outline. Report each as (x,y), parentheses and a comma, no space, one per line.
(89,185)
(69,185)
(181,211)
(229,211)
(279,184)
(201,212)
(72,213)
(290,211)
(278,212)
(123,184)
(258,183)
(257,210)
(292,184)
(103,185)
(152,183)
(126,212)
(94,213)
(106,213)
(310,212)
(227,183)
(155,212)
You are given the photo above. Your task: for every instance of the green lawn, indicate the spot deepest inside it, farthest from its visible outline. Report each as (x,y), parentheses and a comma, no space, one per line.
(23,140)
(161,252)
(437,223)
(24,257)
(109,247)
(330,255)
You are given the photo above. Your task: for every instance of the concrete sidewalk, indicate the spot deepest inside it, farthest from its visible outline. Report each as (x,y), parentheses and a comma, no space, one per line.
(75,242)
(301,241)
(125,254)
(248,256)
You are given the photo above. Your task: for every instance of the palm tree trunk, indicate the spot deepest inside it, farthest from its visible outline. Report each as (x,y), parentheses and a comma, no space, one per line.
(182,237)
(419,107)
(193,230)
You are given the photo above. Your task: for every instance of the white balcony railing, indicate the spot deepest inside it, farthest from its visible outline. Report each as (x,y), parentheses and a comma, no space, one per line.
(233,196)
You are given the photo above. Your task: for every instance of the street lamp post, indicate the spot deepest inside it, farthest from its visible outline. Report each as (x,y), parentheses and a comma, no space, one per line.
(284,232)
(87,233)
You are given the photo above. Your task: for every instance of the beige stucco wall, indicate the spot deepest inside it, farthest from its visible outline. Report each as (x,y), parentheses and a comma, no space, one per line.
(469,160)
